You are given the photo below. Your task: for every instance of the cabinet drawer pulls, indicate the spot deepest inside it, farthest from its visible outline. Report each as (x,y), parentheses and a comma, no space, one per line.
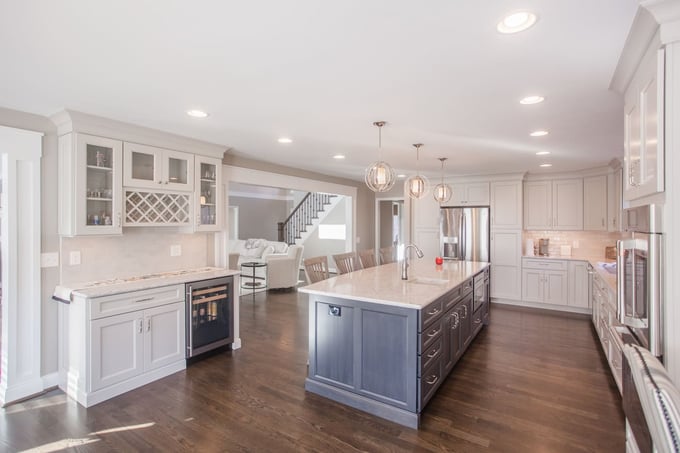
(433,333)
(478,320)
(148,324)
(140,328)
(466,312)
(146,299)
(433,353)
(433,312)
(432,380)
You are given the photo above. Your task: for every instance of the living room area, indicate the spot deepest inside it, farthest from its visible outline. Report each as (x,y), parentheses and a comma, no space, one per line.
(273,229)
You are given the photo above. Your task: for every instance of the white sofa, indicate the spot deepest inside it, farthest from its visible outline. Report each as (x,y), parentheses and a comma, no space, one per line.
(247,250)
(283,261)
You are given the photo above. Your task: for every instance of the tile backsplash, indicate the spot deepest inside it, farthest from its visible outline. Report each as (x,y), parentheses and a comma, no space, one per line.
(138,251)
(583,243)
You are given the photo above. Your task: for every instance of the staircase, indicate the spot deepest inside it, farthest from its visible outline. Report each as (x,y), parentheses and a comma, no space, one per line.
(306,217)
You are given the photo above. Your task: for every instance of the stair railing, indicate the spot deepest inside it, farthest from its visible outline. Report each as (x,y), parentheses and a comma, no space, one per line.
(302,216)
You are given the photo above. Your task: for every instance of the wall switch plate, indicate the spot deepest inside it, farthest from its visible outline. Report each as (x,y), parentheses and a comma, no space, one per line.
(358,240)
(575,244)
(74,258)
(175,250)
(49,259)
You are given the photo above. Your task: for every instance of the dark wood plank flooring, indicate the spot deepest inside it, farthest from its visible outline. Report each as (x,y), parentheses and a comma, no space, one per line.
(533,381)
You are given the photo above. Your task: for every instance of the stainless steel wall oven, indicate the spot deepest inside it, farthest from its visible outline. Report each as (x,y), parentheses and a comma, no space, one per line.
(640,277)
(210,315)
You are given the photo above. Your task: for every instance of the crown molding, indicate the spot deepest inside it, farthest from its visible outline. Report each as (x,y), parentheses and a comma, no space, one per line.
(68,121)
(667,15)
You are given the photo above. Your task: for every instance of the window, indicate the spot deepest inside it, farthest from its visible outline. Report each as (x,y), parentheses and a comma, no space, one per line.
(332,232)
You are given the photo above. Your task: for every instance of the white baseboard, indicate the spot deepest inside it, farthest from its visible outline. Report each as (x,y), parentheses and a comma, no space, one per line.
(50,380)
(563,308)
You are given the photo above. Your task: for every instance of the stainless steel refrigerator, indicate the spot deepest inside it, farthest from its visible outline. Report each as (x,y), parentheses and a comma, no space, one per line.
(464,233)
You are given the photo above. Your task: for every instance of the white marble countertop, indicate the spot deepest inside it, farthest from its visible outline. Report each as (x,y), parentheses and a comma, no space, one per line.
(609,279)
(123,285)
(383,284)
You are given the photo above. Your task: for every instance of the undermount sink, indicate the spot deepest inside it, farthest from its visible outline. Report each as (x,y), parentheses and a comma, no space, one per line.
(429,281)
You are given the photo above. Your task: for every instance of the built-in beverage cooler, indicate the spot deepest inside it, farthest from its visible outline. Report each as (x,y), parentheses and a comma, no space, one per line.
(209,315)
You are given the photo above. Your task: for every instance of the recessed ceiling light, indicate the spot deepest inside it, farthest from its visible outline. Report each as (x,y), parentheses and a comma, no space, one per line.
(339,156)
(531,100)
(539,133)
(543,153)
(285,140)
(401,176)
(546,165)
(516,22)
(197,113)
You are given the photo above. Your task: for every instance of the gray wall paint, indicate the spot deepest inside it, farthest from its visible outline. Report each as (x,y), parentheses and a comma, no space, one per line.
(258,217)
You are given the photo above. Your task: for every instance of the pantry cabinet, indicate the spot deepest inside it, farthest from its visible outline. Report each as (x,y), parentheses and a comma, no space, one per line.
(506,204)
(157,168)
(90,190)
(643,127)
(614,205)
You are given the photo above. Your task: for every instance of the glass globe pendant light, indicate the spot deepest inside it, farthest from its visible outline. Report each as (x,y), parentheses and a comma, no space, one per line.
(442,192)
(417,186)
(380,176)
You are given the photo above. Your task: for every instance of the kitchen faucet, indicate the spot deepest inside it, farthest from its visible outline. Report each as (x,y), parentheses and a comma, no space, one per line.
(404,264)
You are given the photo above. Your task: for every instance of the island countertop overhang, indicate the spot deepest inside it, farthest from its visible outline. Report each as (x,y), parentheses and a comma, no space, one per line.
(383,284)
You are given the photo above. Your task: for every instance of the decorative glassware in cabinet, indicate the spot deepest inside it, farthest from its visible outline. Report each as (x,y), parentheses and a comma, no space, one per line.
(99,185)
(208,194)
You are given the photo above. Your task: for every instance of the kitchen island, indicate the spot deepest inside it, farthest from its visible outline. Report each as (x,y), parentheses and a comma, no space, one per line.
(384,345)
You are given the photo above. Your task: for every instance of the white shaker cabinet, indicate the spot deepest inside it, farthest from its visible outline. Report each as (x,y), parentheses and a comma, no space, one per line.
(506,264)
(614,205)
(122,341)
(643,127)
(579,284)
(472,194)
(90,190)
(157,168)
(425,234)
(595,203)
(506,204)
(553,205)
(545,281)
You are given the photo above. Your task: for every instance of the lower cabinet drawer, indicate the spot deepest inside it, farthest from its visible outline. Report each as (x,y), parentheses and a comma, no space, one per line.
(478,318)
(431,334)
(428,383)
(432,354)
(101,307)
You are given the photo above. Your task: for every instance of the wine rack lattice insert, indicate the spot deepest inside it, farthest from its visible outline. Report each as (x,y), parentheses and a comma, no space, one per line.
(152,208)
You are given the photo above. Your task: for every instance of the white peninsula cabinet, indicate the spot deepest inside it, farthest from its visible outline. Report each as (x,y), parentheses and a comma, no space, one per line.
(90,189)
(122,341)
(553,205)
(157,168)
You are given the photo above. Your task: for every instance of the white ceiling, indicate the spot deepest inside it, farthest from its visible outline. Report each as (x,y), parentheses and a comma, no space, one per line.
(321,72)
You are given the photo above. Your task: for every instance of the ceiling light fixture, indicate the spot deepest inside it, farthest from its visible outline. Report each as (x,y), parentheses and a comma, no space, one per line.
(285,140)
(339,156)
(543,153)
(516,22)
(535,99)
(442,192)
(197,114)
(546,165)
(417,185)
(539,133)
(379,175)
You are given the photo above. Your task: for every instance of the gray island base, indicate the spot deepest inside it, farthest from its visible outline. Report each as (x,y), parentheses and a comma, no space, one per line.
(384,345)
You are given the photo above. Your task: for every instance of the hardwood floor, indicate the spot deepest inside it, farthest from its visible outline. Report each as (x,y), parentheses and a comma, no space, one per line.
(533,381)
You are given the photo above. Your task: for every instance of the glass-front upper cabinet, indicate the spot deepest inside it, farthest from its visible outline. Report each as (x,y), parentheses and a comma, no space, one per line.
(157,168)
(209,194)
(90,188)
